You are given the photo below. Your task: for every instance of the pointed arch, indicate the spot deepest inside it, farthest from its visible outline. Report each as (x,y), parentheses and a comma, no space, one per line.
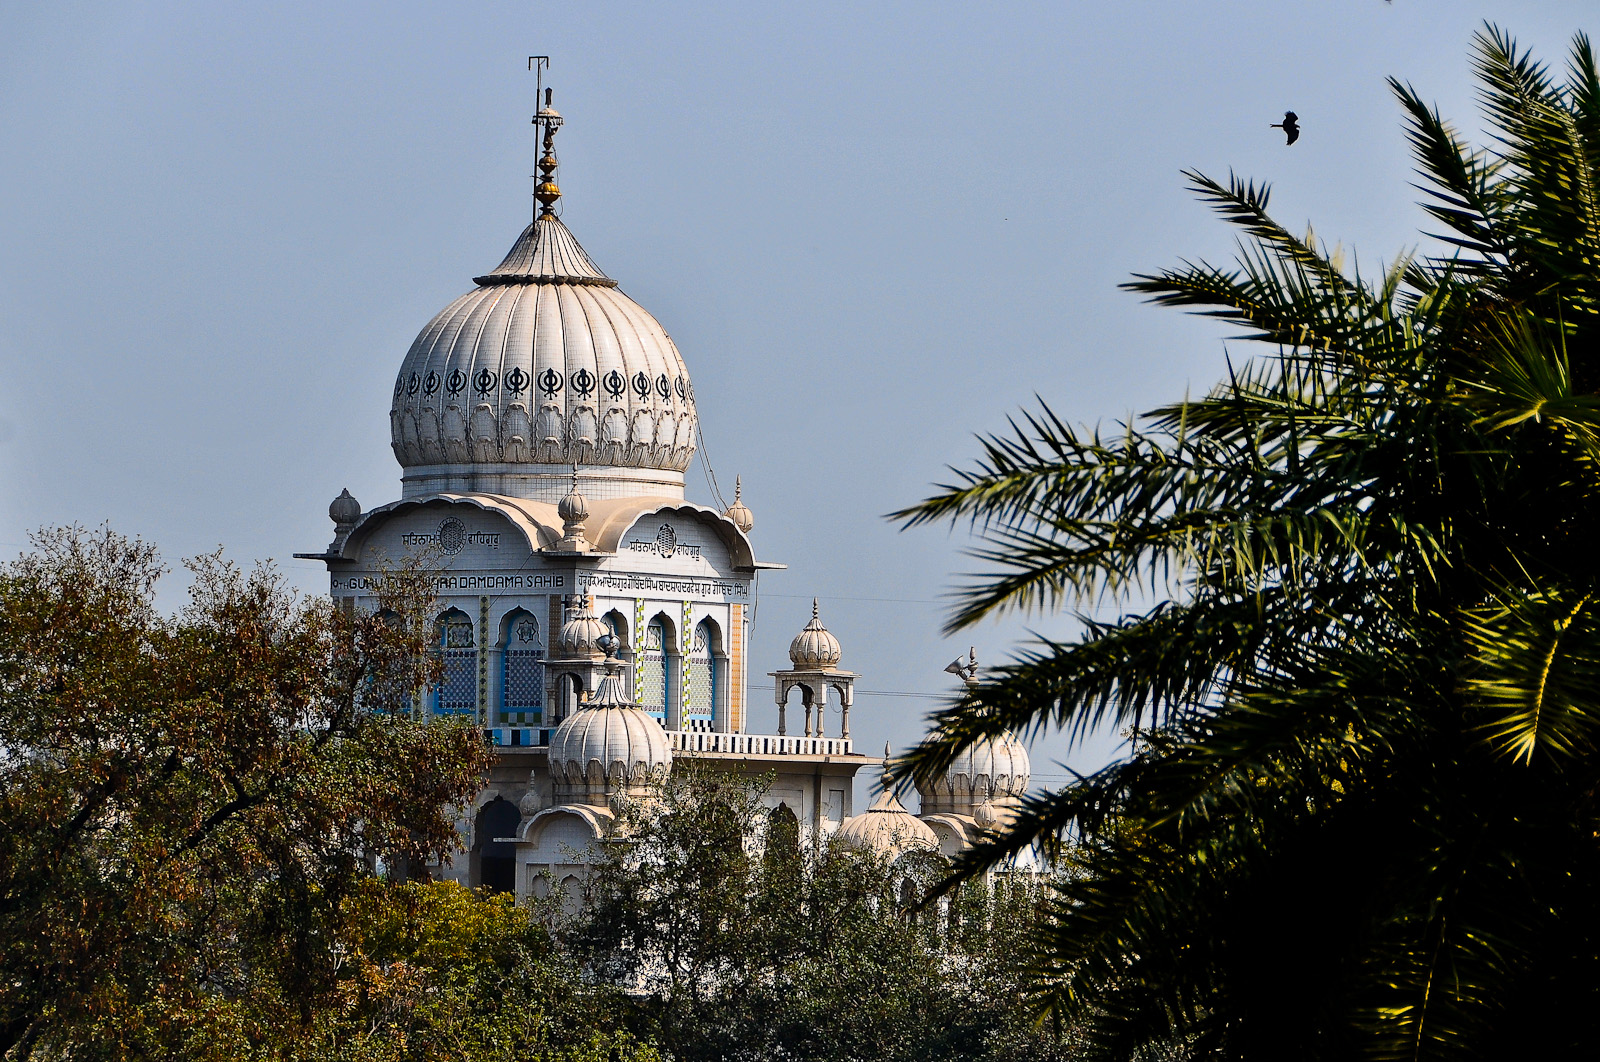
(522,693)
(457,690)
(657,659)
(704,674)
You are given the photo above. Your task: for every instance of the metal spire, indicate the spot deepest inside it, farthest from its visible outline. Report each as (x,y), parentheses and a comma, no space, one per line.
(545,189)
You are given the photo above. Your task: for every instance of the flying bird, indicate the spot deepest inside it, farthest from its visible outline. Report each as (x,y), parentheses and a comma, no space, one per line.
(1290,126)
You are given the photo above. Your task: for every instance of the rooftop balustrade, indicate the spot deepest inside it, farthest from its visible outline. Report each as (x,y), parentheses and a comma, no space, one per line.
(691,742)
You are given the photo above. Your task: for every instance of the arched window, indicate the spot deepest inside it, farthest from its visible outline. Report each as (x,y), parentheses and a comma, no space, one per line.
(654,670)
(522,674)
(457,692)
(702,679)
(388,693)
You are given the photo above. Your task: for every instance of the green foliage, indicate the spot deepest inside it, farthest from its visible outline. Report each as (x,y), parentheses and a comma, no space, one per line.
(439,972)
(1358,819)
(186,802)
(742,942)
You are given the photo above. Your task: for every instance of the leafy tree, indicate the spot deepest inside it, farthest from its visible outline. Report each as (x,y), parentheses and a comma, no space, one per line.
(1359,815)
(187,802)
(435,971)
(742,940)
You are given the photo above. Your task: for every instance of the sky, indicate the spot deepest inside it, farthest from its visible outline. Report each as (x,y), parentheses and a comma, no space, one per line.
(873,230)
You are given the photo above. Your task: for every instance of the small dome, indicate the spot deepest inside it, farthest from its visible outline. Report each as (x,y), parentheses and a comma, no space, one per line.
(608,746)
(581,633)
(345,510)
(815,648)
(994,770)
(887,827)
(1001,761)
(738,512)
(574,507)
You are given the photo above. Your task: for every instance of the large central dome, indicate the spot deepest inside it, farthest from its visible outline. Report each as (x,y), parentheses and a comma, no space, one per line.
(544,366)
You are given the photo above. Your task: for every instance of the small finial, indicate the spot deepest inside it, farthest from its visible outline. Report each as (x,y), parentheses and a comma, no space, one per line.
(816,612)
(739,512)
(546,191)
(886,759)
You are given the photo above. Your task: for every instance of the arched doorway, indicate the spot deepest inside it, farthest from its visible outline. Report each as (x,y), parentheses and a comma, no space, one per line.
(494,855)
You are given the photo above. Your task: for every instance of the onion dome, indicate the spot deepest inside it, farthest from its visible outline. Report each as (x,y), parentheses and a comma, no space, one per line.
(544,366)
(815,648)
(994,771)
(887,827)
(573,510)
(581,635)
(608,746)
(345,511)
(738,512)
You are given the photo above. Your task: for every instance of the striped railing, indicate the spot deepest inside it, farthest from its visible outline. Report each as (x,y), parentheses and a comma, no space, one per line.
(690,741)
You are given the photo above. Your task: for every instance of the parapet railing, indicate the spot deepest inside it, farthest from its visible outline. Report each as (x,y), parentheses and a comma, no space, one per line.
(691,741)
(757,744)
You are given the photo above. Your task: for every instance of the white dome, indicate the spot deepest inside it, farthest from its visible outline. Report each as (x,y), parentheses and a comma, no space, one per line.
(815,648)
(581,633)
(995,769)
(545,365)
(608,746)
(888,828)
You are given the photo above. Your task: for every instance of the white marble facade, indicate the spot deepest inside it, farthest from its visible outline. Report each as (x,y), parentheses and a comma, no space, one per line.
(591,621)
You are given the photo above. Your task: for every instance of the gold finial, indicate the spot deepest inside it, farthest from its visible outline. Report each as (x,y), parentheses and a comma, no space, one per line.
(546,191)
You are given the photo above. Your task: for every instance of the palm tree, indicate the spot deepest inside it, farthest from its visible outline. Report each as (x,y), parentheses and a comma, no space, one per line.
(1359,815)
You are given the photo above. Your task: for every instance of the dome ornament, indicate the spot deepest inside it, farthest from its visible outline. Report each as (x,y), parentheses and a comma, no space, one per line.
(966,670)
(573,510)
(546,191)
(345,512)
(739,513)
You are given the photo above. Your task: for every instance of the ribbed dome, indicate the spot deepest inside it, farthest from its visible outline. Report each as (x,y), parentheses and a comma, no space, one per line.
(887,827)
(580,635)
(608,746)
(996,769)
(545,365)
(815,648)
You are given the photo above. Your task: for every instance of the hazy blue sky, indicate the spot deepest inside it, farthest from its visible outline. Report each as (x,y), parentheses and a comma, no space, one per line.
(872,230)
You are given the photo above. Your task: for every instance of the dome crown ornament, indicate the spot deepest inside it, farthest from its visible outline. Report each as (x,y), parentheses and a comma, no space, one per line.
(738,512)
(815,648)
(546,191)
